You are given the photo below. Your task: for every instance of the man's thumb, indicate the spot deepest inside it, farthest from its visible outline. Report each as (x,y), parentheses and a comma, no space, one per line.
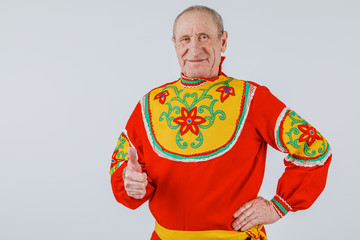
(133,160)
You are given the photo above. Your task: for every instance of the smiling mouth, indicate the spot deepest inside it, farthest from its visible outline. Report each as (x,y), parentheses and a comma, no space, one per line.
(195,60)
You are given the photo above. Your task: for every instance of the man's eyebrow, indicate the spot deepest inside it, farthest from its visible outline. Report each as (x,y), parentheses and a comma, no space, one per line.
(186,35)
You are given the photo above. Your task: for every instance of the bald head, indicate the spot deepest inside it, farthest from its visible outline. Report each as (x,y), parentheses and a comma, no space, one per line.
(217,19)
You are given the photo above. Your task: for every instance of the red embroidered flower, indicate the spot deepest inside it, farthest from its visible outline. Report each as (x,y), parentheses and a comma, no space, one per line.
(189,120)
(162,96)
(225,92)
(114,157)
(309,134)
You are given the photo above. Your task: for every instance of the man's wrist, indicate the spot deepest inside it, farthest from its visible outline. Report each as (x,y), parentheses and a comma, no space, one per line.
(281,206)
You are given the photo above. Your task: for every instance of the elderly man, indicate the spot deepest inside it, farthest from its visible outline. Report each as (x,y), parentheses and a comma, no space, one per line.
(196,147)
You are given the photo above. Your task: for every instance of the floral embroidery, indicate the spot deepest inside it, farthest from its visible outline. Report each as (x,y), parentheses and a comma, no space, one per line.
(189,121)
(120,153)
(188,101)
(182,128)
(118,156)
(309,134)
(225,92)
(162,96)
(303,143)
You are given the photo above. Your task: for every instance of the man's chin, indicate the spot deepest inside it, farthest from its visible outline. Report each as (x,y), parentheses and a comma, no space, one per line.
(197,74)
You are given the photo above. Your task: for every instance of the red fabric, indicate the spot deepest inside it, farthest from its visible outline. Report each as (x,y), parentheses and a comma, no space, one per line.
(204,195)
(301,186)
(154,236)
(117,181)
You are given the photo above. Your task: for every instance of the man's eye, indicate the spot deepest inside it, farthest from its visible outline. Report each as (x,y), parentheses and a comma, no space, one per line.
(185,39)
(203,37)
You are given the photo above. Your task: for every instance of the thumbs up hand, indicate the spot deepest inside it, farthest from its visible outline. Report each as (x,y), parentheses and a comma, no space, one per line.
(135,180)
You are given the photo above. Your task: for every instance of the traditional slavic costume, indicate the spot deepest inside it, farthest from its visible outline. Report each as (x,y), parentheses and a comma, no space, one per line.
(202,143)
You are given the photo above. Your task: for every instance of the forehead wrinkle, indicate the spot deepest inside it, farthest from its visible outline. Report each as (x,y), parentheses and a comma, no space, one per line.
(192,23)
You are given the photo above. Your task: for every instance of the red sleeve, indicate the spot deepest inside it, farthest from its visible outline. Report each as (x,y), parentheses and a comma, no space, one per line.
(131,136)
(308,152)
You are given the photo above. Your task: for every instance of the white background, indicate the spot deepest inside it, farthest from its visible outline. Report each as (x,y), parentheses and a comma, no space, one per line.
(72,71)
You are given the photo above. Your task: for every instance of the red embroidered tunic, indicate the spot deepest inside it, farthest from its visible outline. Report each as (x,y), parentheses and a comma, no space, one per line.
(203,146)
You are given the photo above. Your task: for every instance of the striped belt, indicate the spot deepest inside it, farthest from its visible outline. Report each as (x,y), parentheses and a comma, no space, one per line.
(252,233)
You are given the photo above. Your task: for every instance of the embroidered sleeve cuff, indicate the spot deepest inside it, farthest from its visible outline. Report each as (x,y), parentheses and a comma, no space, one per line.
(124,173)
(280,205)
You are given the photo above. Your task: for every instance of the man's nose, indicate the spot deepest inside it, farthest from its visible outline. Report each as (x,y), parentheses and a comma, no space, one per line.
(195,47)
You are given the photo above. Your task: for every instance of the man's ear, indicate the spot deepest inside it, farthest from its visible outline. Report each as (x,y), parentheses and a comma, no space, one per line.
(224,38)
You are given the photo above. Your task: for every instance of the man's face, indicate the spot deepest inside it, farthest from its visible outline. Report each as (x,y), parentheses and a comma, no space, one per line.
(198,46)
